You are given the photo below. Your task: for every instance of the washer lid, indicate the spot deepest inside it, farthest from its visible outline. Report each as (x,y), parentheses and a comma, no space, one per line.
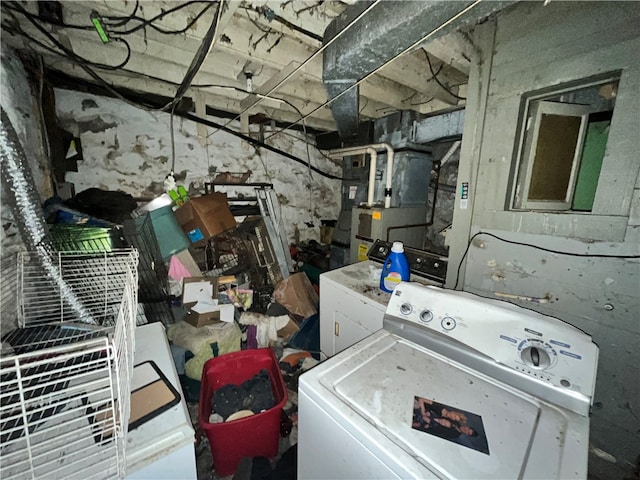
(387,382)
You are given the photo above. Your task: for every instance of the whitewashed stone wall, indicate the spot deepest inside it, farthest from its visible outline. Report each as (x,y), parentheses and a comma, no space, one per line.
(129,149)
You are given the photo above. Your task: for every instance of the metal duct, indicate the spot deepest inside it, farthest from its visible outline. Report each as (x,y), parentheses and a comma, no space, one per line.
(387,30)
(19,186)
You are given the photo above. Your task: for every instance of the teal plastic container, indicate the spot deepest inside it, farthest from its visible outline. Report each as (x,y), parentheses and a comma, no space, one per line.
(395,268)
(171,238)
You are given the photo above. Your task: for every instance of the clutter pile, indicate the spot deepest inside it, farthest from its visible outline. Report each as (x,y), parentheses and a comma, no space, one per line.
(222,283)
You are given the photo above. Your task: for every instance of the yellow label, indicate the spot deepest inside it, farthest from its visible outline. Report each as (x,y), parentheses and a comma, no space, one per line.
(376,215)
(363,248)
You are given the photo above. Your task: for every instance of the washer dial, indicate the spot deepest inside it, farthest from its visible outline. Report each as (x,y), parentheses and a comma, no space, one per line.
(537,354)
(426,316)
(448,323)
(406,308)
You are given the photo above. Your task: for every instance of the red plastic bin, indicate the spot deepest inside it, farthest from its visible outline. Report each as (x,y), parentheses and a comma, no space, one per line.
(254,436)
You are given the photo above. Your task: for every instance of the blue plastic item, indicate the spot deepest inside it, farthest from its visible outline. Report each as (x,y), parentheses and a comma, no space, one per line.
(308,337)
(171,238)
(395,268)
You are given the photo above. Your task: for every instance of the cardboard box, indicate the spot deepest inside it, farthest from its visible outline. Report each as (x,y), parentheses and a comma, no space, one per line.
(297,295)
(200,319)
(194,290)
(204,217)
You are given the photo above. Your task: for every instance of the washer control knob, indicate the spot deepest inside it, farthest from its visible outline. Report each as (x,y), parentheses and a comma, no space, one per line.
(535,357)
(448,323)
(426,316)
(406,308)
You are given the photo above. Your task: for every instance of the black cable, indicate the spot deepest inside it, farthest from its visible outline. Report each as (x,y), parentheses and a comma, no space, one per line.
(263,9)
(125,20)
(435,77)
(198,59)
(258,143)
(51,21)
(83,64)
(121,20)
(67,51)
(88,70)
(549,250)
(150,23)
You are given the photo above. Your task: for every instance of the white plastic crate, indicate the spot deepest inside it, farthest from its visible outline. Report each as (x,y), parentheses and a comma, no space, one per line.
(65,369)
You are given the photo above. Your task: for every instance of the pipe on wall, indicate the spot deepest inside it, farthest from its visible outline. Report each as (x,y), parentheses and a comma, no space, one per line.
(372,151)
(18,184)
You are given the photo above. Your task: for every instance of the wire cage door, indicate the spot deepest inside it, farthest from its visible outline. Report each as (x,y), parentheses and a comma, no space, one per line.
(66,365)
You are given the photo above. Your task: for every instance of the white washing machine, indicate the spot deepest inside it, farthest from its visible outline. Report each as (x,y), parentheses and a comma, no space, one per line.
(352,305)
(454,386)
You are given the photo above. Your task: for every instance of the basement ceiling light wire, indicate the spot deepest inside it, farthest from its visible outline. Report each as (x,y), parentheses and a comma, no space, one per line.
(203,52)
(300,67)
(408,49)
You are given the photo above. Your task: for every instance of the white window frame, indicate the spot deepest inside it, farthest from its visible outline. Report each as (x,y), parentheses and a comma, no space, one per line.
(539,108)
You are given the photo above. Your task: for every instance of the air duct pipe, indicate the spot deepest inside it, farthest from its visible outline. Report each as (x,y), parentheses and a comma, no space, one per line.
(19,186)
(372,150)
(388,29)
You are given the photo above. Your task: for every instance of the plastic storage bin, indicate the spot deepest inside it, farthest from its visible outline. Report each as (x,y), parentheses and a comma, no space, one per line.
(254,436)
(171,238)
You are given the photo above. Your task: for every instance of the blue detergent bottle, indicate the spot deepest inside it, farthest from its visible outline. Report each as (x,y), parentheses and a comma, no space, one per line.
(395,268)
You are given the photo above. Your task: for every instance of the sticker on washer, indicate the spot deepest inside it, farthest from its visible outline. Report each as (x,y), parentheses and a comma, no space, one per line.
(449,423)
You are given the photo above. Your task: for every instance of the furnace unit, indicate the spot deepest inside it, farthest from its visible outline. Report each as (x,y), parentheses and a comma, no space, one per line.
(403,224)
(402,216)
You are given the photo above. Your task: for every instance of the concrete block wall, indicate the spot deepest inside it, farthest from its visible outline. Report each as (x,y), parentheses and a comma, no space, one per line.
(526,48)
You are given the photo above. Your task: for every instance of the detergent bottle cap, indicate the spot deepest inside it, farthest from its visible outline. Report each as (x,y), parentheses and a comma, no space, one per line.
(397,247)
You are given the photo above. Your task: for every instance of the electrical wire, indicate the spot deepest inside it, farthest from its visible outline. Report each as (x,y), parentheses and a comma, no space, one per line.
(110,22)
(125,20)
(87,69)
(434,76)
(279,99)
(263,10)
(537,247)
(173,142)
(258,143)
(26,13)
(150,22)
(66,50)
(198,59)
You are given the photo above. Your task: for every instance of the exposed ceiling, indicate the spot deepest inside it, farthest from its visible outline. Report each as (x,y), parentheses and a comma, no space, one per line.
(266,39)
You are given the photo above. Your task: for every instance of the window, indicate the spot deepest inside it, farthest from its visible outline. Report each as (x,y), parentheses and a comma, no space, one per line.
(562,145)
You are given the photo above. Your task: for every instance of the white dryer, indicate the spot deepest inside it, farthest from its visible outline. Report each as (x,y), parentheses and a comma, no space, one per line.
(352,305)
(454,386)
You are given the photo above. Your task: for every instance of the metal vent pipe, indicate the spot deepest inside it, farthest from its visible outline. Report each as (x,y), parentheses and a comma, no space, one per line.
(386,31)
(18,184)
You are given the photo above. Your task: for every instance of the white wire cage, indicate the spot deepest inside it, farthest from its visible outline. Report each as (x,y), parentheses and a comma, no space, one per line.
(67,359)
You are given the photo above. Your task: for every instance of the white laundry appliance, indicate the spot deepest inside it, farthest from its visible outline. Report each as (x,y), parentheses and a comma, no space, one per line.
(163,447)
(352,305)
(454,386)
